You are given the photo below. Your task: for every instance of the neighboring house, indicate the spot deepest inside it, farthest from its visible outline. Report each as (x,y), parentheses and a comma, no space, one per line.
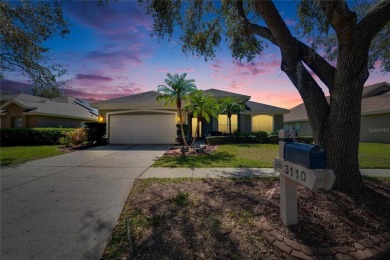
(140,119)
(375,119)
(25,110)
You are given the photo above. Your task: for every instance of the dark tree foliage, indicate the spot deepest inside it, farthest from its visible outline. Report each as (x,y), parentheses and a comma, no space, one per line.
(25,26)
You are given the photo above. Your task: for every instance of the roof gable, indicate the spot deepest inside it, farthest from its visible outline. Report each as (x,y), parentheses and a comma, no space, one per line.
(374,101)
(38,105)
(222,94)
(255,107)
(376,89)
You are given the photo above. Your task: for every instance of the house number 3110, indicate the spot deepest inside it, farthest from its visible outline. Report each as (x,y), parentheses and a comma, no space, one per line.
(291,171)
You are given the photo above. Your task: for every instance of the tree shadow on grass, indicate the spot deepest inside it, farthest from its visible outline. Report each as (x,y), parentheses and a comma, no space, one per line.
(7,161)
(202,160)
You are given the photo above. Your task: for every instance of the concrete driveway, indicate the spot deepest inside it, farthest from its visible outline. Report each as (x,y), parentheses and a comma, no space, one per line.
(65,207)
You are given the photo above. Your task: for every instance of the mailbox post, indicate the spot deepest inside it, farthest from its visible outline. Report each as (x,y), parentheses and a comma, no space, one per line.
(302,164)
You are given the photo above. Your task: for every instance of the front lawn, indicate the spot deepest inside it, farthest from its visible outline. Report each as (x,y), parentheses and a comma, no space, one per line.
(374,156)
(230,155)
(20,154)
(371,156)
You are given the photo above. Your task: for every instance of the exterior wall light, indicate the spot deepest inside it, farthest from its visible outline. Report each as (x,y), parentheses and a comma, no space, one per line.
(101,118)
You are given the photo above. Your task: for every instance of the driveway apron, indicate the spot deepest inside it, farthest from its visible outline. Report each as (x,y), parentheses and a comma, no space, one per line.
(65,207)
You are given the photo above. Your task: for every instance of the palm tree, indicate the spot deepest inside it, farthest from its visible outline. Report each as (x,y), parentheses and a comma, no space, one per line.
(229,106)
(177,90)
(202,106)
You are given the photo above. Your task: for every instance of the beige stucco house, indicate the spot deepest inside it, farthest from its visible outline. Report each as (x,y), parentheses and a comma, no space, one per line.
(140,119)
(23,110)
(375,120)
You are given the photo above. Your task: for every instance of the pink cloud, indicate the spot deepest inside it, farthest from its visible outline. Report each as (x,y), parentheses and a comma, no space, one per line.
(116,58)
(215,66)
(110,17)
(290,22)
(92,77)
(185,70)
(162,70)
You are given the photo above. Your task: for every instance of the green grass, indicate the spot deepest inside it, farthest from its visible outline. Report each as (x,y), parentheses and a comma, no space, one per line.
(20,154)
(371,155)
(231,155)
(374,156)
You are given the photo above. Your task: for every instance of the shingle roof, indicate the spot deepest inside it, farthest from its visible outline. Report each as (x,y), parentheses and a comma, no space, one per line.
(372,90)
(149,97)
(297,113)
(370,105)
(221,94)
(44,106)
(262,108)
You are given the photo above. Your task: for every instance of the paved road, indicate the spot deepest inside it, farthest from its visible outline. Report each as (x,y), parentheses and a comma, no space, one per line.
(65,207)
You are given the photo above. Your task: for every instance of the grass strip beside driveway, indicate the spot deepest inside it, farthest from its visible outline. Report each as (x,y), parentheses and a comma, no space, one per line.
(21,154)
(232,155)
(371,156)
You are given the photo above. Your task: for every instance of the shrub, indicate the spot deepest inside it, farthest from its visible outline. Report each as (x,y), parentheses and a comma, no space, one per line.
(32,136)
(76,137)
(305,139)
(95,133)
(261,137)
(273,139)
(214,140)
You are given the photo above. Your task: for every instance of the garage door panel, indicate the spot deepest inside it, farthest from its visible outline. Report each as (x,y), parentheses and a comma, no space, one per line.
(142,129)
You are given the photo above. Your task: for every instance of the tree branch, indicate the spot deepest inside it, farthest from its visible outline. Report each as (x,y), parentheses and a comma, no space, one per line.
(317,64)
(375,19)
(339,16)
(257,29)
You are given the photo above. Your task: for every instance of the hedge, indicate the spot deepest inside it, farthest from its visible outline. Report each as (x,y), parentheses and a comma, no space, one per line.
(32,136)
(213,140)
(96,132)
(253,138)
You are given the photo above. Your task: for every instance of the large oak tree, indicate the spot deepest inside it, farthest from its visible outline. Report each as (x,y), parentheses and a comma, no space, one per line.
(25,27)
(354,38)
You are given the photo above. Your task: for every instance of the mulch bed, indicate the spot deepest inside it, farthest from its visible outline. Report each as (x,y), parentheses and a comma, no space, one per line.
(328,219)
(213,218)
(176,152)
(74,148)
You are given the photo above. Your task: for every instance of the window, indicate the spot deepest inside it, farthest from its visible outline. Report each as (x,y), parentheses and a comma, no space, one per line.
(16,122)
(193,126)
(223,125)
(262,123)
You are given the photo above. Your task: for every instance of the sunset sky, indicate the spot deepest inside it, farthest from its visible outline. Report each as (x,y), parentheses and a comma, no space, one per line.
(110,53)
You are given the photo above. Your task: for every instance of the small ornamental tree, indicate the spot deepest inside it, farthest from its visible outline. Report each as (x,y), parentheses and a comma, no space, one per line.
(230,106)
(202,106)
(177,90)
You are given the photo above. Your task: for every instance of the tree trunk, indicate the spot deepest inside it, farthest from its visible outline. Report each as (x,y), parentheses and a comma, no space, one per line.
(343,131)
(196,131)
(178,104)
(230,123)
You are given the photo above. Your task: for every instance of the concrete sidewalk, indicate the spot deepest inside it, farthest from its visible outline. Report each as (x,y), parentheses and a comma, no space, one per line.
(168,172)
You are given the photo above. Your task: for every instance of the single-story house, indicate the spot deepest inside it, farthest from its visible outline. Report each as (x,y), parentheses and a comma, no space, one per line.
(23,110)
(141,119)
(375,115)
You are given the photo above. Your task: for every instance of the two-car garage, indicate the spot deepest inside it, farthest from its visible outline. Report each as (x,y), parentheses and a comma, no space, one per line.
(142,128)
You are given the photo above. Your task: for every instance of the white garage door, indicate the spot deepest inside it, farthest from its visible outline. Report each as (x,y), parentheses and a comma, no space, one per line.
(143,129)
